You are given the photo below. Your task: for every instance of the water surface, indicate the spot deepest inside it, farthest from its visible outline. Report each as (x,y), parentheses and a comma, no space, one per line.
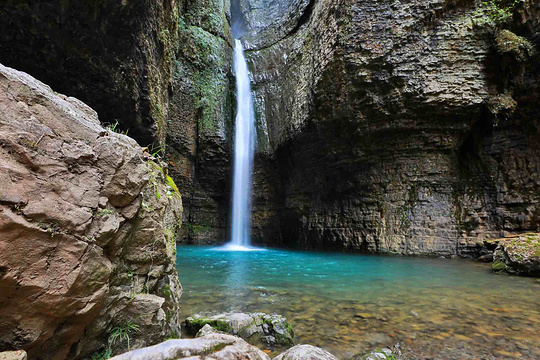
(350,303)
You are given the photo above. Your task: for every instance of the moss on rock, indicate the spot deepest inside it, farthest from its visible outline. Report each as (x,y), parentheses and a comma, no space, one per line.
(507,42)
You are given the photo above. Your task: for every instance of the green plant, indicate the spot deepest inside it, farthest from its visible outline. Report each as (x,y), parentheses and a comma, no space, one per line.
(122,333)
(172,187)
(494,12)
(146,206)
(104,212)
(103,355)
(115,129)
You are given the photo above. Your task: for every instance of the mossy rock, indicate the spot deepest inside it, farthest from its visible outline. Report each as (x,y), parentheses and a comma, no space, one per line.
(257,328)
(509,43)
(194,324)
(498,266)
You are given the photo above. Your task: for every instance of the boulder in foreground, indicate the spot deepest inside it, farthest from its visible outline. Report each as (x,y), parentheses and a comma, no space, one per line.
(88,222)
(211,345)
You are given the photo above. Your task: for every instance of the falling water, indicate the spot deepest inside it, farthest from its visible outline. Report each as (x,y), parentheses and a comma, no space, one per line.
(244,146)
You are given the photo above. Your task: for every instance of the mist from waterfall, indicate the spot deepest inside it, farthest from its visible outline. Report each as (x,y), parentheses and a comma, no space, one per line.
(244,148)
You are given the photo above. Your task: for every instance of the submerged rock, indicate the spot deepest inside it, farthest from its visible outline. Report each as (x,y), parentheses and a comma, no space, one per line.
(212,345)
(518,254)
(270,329)
(381,354)
(306,352)
(13,355)
(88,224)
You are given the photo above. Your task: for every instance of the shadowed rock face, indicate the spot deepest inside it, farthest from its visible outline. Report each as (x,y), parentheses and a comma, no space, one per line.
(400,127)
(88,223)
(114,55)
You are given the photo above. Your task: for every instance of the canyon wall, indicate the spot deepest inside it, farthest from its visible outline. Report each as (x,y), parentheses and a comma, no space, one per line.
(402,127)
(88,222)
(399,127)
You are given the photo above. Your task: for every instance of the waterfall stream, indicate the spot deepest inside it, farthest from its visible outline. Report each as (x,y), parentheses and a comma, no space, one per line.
(244,148)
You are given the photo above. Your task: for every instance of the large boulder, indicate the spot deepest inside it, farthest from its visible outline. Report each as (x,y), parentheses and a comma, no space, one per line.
(255,327)
(518,254)
(211,345)
(88,224)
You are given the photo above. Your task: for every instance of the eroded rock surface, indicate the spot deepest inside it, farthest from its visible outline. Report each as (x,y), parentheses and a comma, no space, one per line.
(199,135)
(255,327)
(88,225)
(400,127)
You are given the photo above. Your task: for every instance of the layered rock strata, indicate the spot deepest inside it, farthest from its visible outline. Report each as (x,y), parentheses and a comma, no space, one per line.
(406,128)
(88,224)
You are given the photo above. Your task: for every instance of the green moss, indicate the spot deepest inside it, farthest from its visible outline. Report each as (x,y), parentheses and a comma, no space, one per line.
(206,59)
(195,229)
(195,324)
(508,42)
(498,266)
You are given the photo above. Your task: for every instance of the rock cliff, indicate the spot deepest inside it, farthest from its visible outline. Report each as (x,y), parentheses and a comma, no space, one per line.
(400,127)
(199,137)
(403,127)
(116,56)
(87,224)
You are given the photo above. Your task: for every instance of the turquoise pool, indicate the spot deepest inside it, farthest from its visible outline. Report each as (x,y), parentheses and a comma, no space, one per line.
(351,303)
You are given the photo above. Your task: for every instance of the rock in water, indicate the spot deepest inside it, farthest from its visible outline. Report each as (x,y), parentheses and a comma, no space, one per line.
(88,223)
(306,352)
(518,254)
(270,329)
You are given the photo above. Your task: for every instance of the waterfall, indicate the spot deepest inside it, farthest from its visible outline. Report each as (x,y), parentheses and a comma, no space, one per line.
(244,148)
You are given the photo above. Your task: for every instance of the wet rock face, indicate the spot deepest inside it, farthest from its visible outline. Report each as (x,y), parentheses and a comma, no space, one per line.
(88,222)
(114,55)
(267,22)
(401,127)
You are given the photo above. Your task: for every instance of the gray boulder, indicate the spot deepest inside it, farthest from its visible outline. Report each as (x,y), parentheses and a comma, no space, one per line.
(306,352)
(87,222)
(212,345)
